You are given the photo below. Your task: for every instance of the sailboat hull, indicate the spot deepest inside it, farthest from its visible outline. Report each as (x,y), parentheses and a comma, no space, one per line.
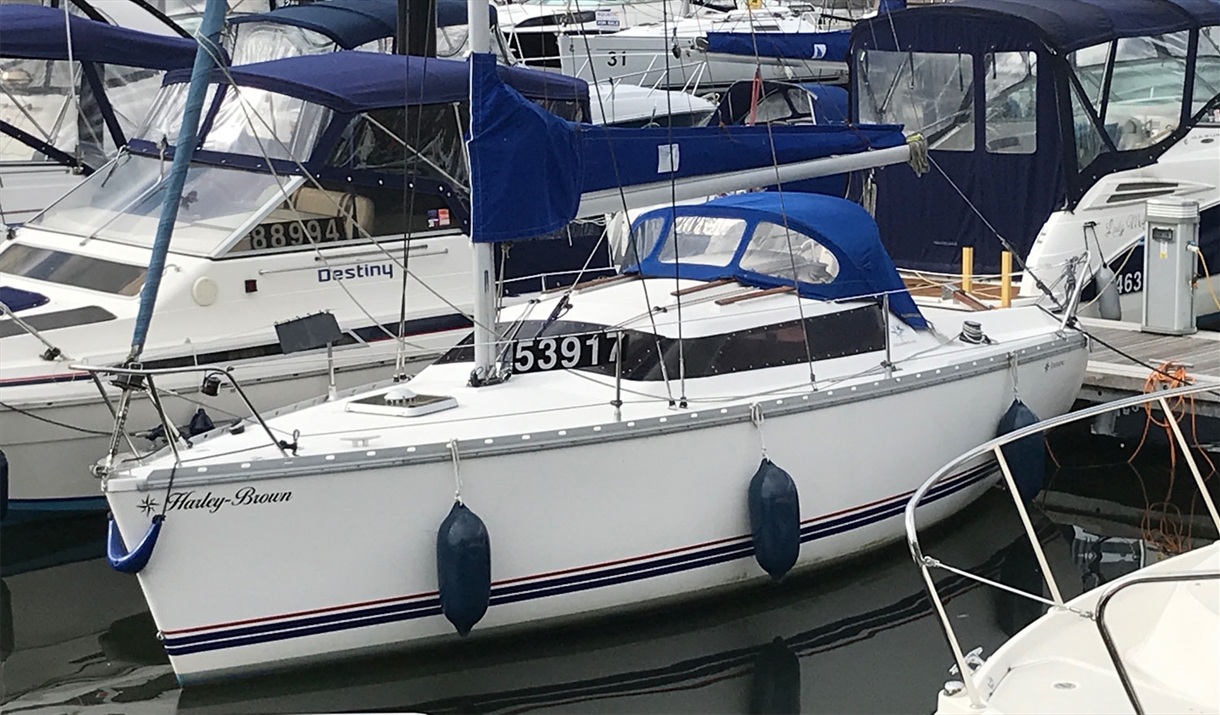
(258,573)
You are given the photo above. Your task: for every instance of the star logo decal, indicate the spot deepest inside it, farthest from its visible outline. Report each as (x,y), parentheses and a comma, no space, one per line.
(149,505)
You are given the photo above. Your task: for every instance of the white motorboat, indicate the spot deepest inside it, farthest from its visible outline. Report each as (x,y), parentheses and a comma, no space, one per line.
(1047,134)
(66,109)
(608,450)
(1148,641)
(793,42)
(318,226)
(368,25)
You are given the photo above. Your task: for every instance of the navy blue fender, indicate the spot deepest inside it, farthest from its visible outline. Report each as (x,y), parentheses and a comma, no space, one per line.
(1026,457)
(775,519)
(463,568)
(135,560)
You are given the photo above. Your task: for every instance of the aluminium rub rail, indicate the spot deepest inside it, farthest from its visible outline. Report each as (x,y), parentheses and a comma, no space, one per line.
(993,448)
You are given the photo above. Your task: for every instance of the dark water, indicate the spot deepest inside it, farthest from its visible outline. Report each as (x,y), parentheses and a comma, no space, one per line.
(77,637)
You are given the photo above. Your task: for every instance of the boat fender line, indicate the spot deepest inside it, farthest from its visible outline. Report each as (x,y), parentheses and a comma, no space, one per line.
(463,567)
(3,484)
(1026,457)
(1108,304)
(135,560)
(775,519)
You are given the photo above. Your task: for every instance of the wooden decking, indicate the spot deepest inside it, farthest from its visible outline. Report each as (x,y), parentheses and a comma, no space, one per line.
(1111,375)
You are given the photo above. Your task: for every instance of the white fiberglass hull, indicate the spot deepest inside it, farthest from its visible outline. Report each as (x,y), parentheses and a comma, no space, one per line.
(262,564)
(1110,219)
(51,445)
(1166,635)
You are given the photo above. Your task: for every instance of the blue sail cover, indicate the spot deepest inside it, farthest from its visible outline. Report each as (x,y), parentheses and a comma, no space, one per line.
(843,227)
(513,145)
(351,82)
(925,222)
(351,23)
(828,46)
(35,32)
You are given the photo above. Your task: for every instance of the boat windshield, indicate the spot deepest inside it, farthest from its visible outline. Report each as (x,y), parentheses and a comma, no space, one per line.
(122,203)
(252,122)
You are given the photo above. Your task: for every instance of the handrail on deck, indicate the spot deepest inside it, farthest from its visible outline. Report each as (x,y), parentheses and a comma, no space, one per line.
(993,446)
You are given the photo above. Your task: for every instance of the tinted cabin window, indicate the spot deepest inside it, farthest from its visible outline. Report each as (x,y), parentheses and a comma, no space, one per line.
(1207,72)
(71,269)
(834,335)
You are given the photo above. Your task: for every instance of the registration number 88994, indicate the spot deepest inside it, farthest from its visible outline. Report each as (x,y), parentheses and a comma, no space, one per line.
(297,233)
(564,352)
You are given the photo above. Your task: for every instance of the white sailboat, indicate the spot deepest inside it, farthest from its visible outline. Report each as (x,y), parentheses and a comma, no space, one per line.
(321,225)
(606,436)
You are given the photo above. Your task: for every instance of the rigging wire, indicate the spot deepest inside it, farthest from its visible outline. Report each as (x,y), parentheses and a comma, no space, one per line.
(623,200)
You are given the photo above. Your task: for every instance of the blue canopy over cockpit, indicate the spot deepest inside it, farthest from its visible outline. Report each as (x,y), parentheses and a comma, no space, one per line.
(353,82)
(37,33)
(1026,104)
(352,23)
(829,247)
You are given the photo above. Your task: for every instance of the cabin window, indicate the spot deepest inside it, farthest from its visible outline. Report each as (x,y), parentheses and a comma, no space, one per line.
(423,141)
(703,240)
(258,123)
(71,269)
(265,41)
(164,118)
(36,98)
(779,251)
(1135,85)
(927,92)
(1089,143)
(1207,72)
(643,239)
(1011,83)
(841,333)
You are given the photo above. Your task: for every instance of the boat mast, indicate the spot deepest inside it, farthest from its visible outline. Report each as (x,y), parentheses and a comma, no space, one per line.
(478,23)
(209,46)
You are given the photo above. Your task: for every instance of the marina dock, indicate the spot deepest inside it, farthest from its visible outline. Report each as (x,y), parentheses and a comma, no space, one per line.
(1112,375)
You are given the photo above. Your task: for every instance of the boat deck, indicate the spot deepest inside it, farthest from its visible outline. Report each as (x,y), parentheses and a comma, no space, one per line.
(1111,375)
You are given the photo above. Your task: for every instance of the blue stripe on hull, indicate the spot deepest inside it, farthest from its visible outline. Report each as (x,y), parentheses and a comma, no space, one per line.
(560,585)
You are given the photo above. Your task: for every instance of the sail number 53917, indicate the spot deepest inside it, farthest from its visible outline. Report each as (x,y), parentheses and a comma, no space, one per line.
(564,352)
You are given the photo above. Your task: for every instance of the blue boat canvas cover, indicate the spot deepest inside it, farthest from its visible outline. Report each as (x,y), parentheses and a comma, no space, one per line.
(1066,107)
(826,46)
(839,225)
(352,23)
(514,144)
(37,33)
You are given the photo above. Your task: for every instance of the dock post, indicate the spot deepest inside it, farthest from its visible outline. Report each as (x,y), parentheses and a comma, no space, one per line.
(1005,279)
(967,268)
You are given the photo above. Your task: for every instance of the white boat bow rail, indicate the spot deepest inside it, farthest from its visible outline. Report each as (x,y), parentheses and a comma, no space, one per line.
(967,664)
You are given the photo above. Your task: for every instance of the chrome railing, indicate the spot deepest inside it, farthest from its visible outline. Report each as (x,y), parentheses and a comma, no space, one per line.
(993,449)
(134,379)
